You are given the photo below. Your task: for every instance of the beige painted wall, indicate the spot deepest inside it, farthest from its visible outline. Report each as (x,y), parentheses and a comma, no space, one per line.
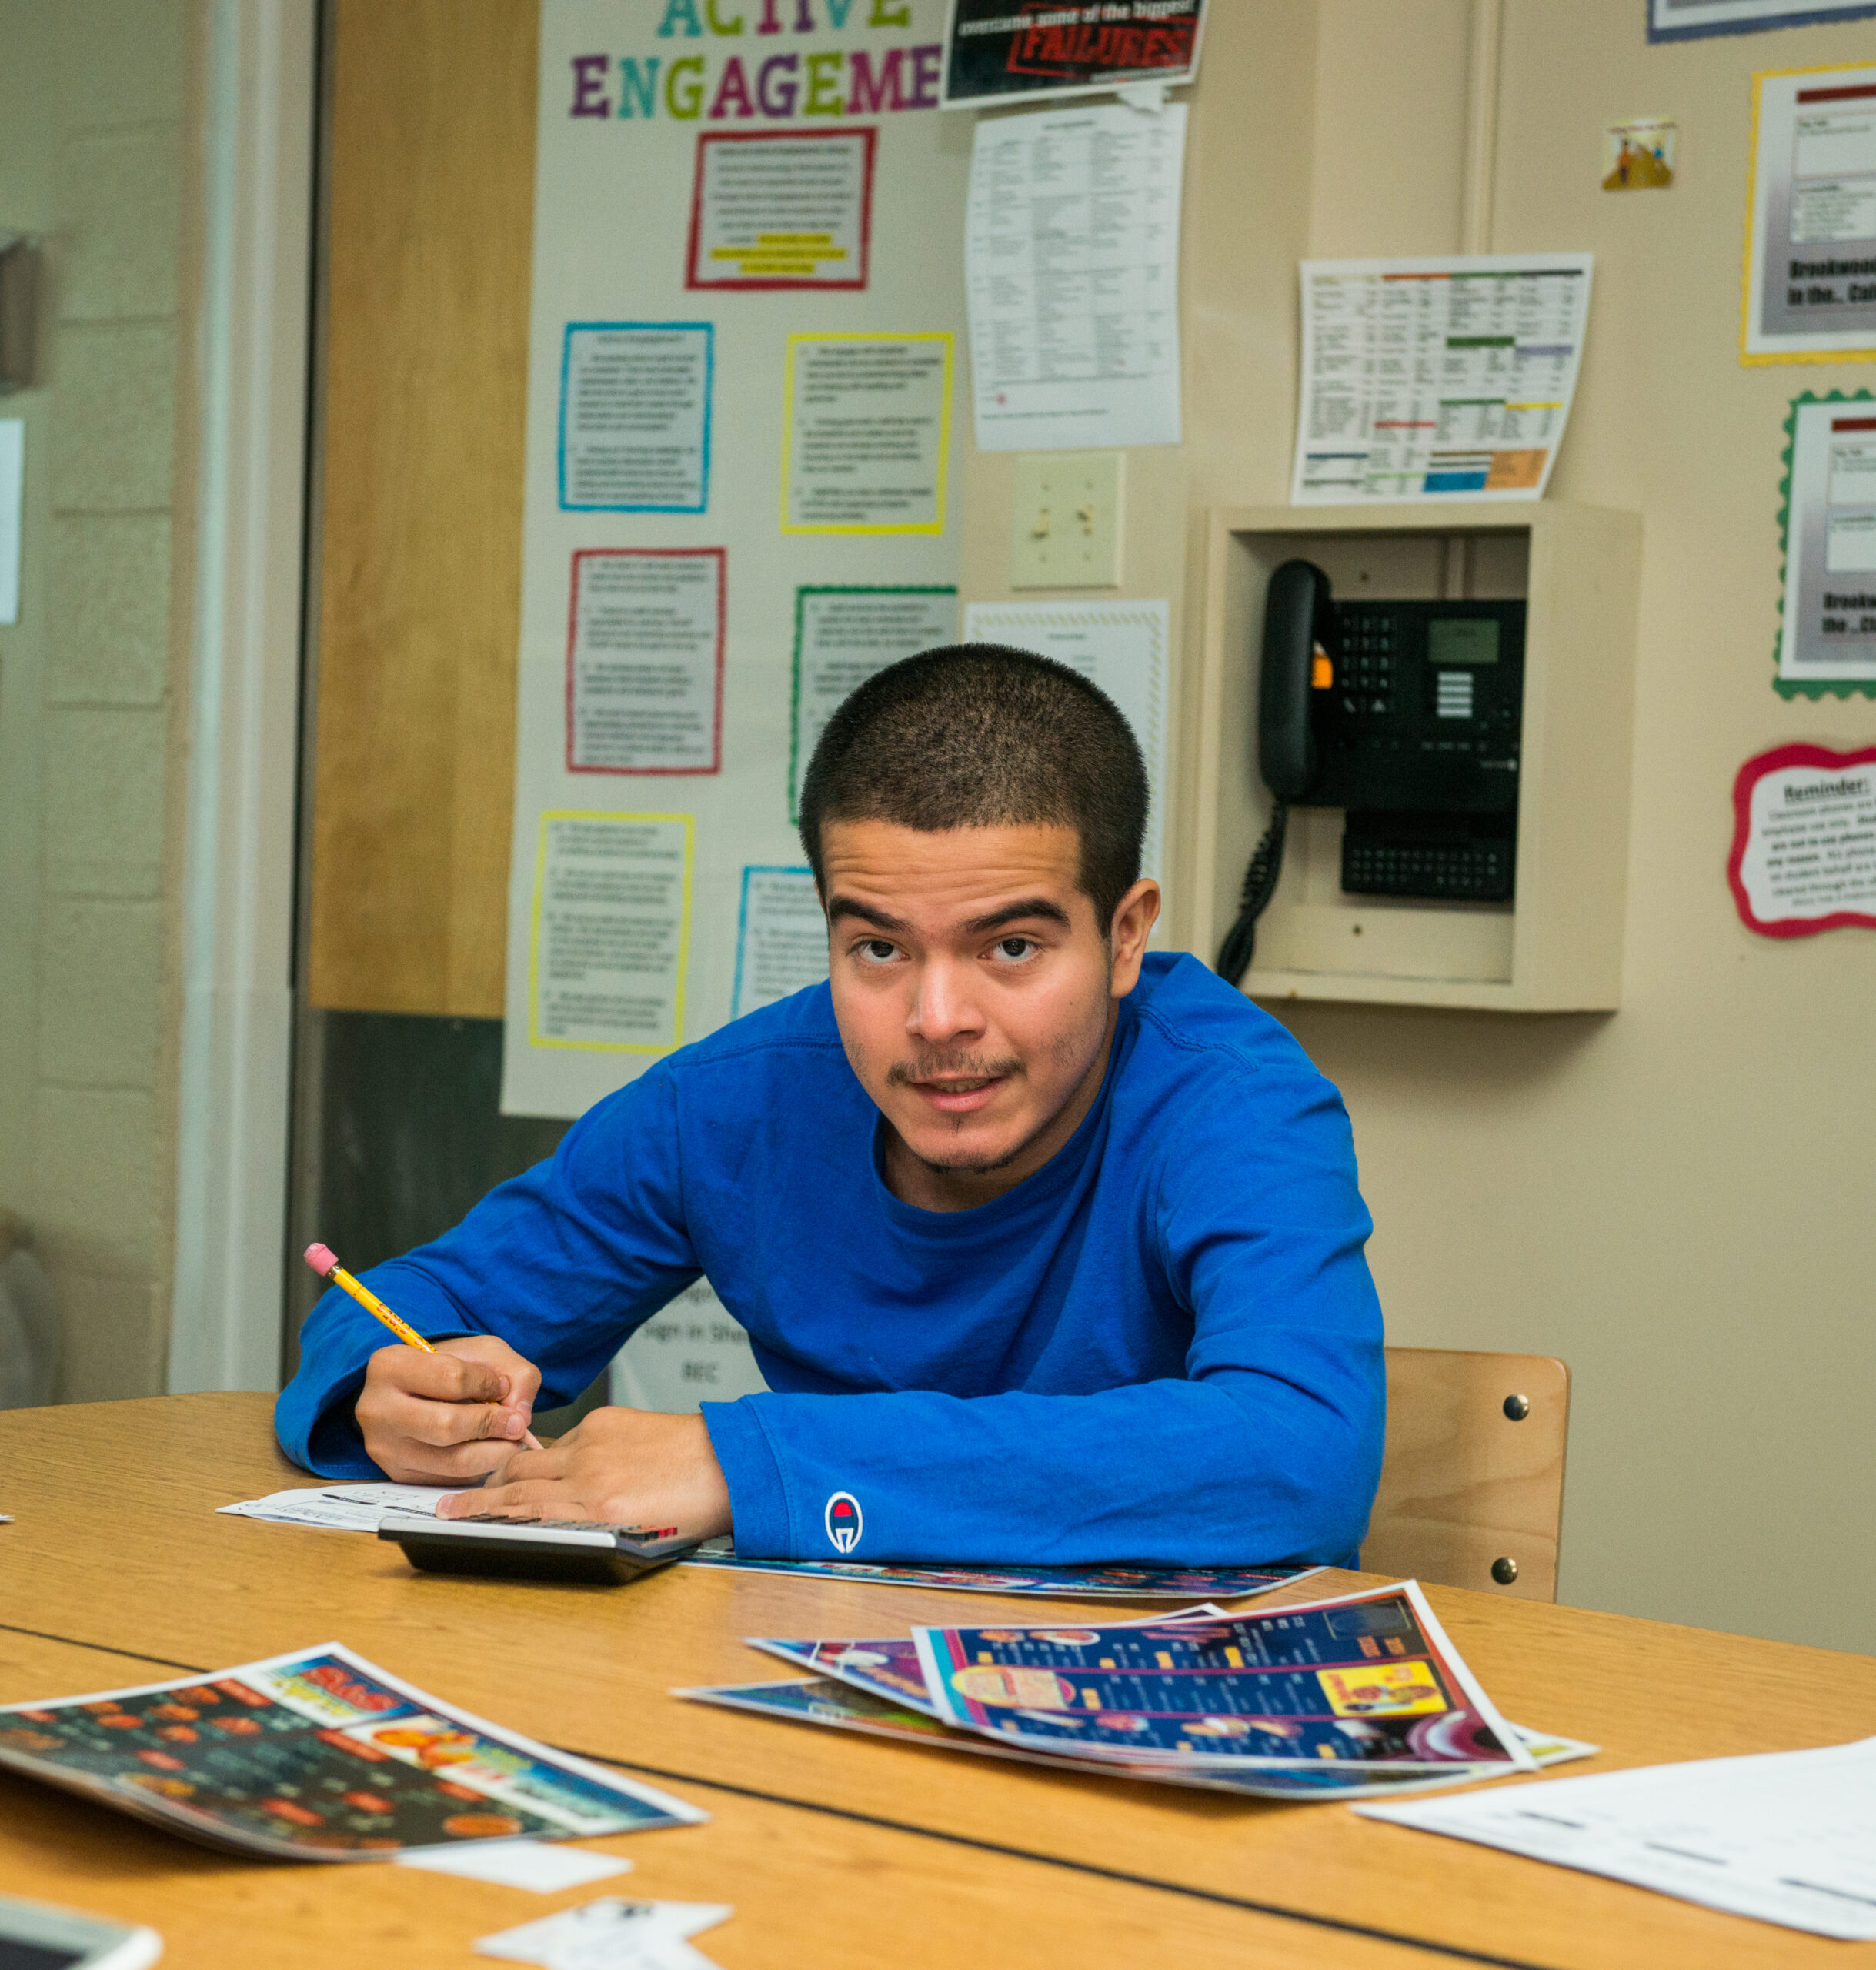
(94,107)
(1675,1198)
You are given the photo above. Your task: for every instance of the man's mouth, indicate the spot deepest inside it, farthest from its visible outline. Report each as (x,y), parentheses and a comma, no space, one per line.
(962,1096)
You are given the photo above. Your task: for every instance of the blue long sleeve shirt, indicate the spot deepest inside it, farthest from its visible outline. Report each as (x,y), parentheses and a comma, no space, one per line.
(1163,1346)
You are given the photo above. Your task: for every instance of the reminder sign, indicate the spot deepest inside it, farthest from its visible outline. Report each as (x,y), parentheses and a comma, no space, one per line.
(997,49)
(1803,854)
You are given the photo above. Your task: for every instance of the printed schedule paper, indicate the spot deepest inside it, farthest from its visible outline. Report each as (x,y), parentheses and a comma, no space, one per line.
(1071,266)
(1437,379)
(1786,1837)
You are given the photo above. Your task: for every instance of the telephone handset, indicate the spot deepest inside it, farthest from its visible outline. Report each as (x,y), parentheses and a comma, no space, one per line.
(1408,715)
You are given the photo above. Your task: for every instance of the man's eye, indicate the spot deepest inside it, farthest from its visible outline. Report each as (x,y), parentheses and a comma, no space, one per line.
(1015,947)
(876,951)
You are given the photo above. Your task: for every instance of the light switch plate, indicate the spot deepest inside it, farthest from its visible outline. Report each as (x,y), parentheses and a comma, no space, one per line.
(1065,520)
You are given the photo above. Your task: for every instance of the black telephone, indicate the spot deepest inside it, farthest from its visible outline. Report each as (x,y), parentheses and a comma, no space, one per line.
(1407,715)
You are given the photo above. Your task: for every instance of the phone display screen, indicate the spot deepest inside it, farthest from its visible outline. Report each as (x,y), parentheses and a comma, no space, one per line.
(1462,639)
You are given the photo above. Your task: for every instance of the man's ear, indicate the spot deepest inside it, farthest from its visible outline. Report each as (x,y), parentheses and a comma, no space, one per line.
(1134,916)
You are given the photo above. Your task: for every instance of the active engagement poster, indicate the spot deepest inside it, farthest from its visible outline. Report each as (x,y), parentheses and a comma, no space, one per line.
(744,359)
(1811,237)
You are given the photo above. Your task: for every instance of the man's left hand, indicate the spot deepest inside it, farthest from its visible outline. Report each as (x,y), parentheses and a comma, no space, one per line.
(617,1466)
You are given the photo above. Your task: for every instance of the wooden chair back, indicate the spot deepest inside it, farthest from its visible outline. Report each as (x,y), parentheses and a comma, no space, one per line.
(1472,1480)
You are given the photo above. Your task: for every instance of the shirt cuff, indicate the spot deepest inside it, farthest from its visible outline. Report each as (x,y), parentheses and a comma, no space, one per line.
(758,1497)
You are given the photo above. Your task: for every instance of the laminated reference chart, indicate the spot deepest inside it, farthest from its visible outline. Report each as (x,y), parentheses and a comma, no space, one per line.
(1437,379)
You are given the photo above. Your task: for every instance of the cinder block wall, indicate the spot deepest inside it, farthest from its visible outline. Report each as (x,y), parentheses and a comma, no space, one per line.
(96,157)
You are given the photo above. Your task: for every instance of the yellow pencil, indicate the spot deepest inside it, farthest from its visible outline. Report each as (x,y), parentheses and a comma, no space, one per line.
(321,1258)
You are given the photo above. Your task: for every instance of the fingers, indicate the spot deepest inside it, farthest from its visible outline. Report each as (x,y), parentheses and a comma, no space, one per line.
(415,1463)
(537,1497)
(440,1377)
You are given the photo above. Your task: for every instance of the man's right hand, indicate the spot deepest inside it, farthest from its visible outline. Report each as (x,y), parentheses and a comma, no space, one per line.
(446,1418)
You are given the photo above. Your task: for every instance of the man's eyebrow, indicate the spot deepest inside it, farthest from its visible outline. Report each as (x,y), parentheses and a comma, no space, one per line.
(840,906)
(1015,913)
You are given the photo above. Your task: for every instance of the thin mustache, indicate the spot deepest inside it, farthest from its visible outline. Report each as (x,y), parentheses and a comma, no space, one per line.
(959,1067)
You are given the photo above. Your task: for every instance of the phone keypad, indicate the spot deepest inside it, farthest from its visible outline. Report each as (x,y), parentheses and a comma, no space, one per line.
(1366,674)
(1476,872)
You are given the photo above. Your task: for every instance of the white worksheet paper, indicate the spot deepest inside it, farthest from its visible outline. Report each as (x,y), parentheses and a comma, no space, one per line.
(1787,1837)
(1071,253)
(1437,379)
(532,1865)
(1119,646)
(339,1508)
(598,1935)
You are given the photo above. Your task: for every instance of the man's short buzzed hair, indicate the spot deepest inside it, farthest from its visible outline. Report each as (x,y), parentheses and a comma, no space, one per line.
(979,735)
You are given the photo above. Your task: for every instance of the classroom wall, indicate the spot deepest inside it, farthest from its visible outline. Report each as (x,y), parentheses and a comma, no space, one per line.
(94,113)
(1671,1197)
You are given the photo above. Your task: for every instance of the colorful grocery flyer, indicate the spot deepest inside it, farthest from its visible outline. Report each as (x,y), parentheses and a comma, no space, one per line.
(1367,1679)
(319,1755)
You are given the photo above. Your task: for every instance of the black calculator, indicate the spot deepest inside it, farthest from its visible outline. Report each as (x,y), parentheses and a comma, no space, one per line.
(561,1549)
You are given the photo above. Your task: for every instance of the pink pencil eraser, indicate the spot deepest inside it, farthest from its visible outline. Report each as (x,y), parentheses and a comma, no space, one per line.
(321,1259)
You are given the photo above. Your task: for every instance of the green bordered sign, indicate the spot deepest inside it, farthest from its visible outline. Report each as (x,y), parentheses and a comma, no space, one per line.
(843,636)
(1826,526)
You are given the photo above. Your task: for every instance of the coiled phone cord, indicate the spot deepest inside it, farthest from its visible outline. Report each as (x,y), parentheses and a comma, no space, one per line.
(1267,864)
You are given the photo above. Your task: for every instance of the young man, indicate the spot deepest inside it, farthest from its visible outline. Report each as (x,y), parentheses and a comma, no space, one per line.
(1050,1251)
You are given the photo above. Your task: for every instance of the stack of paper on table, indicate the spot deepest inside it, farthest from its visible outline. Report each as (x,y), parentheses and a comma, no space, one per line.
(1357,1696)
(340,1507)
(1786,1837)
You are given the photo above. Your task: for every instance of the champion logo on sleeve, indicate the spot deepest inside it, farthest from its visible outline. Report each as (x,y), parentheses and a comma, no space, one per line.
(843,1521)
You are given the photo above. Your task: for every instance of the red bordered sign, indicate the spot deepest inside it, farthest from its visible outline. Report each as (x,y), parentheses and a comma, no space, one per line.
(1804,855)
(754,224)
(616,749)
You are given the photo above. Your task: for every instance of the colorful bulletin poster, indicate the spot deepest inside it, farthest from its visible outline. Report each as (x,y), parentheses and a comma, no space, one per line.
(733,277)
(612,918)
(782,209)
(843,636)
(645,660)
(996,53)
(781,938)
(841,1707)
(1810,287)
(319,1755)
(1098,1583)
(1071,257)
(1691,20)
(1804,857)
(866,433)
(1437,379)
(634,430)
(1123,648)
(1369,1678)
(1827,629)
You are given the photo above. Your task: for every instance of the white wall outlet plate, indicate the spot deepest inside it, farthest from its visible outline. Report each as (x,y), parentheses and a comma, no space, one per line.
(1065,520)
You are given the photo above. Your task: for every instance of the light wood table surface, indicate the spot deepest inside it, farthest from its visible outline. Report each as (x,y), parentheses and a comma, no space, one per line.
(830,1845)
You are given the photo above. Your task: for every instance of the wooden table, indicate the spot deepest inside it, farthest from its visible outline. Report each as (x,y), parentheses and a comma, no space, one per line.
(833,1849)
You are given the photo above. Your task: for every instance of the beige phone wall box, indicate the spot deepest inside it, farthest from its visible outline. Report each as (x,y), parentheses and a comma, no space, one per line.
(1558,947)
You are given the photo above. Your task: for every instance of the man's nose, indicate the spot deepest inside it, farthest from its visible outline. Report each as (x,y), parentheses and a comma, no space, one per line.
(943,1006)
